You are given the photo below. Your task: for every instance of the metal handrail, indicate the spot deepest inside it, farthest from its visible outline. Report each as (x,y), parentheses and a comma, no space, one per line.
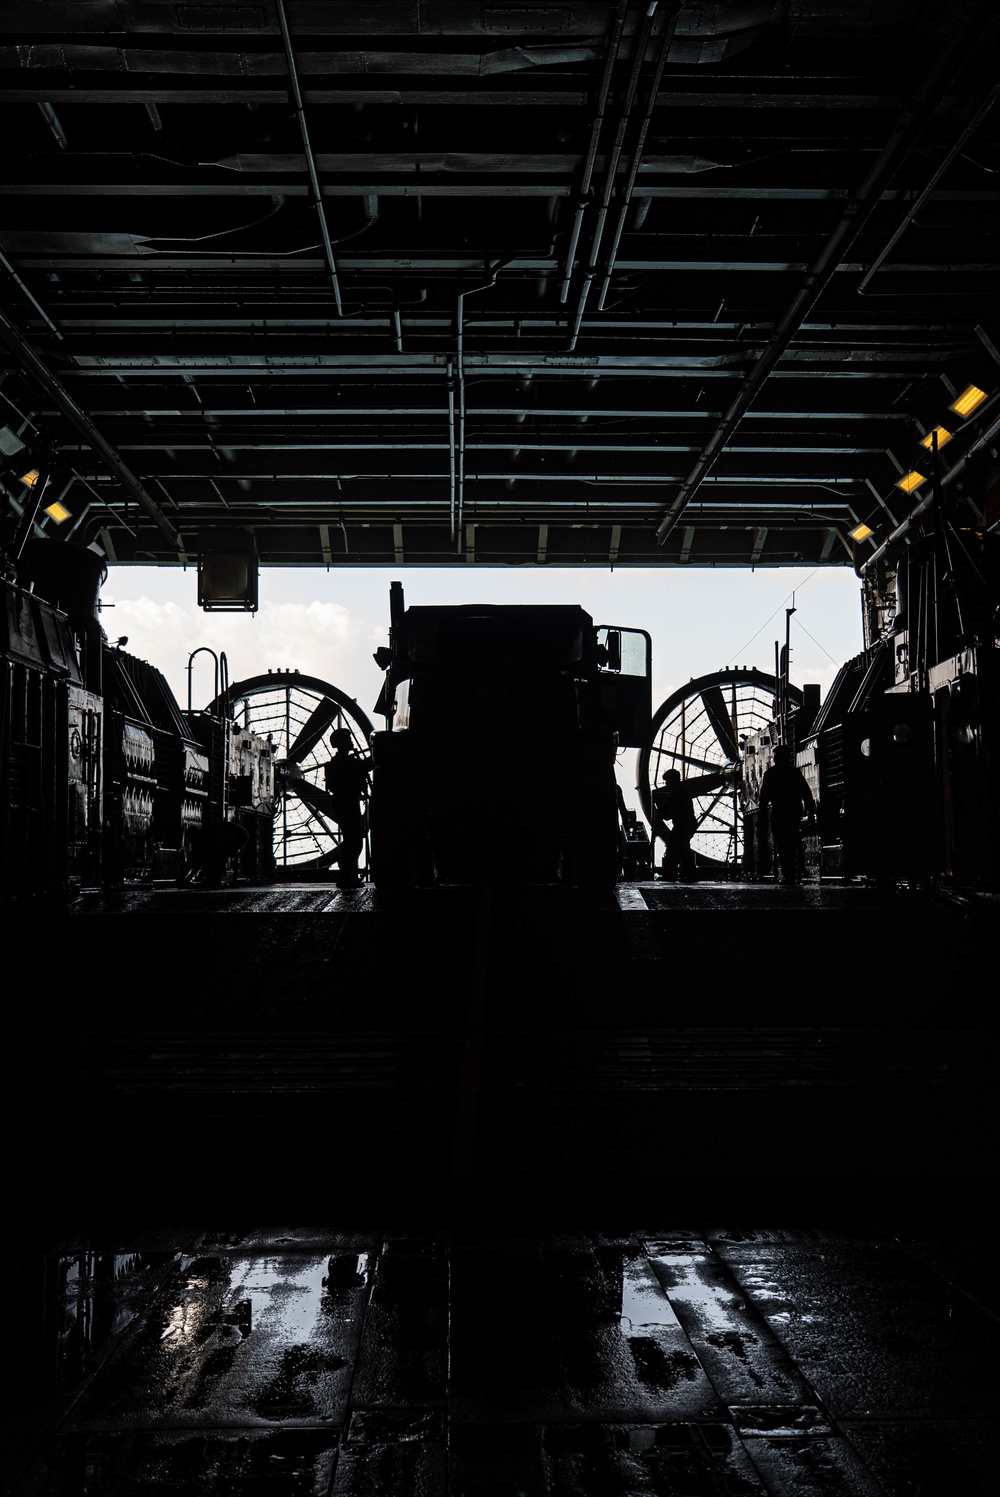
(203,649)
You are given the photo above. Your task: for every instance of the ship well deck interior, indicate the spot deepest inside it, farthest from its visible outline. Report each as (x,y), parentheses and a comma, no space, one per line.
(675,1189)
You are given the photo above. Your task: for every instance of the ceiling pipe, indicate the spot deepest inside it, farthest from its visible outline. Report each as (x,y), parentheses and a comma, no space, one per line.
(8,267)
(987,343)
(595,130)
(493,272)
(641,211)
(612,172)
(633,170)
(94,439)
(935,177)
(905,132)
(452,485)
(293,76)
(55,126)
(29,514)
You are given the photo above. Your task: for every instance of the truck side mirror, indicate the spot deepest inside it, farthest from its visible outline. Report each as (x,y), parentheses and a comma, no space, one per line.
(614,649)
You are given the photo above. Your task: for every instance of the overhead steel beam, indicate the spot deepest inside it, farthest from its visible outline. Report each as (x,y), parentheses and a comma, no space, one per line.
(898,146)
(27,292)
(184,92)
(924,195)
(54,387)
(414,366)
(527,187)
(422,264)
(404,412)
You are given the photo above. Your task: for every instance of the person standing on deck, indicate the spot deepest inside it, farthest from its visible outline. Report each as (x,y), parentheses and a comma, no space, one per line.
(784,798)
(346,777)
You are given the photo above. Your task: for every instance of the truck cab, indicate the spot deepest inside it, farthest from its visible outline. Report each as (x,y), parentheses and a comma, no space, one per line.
(497,759)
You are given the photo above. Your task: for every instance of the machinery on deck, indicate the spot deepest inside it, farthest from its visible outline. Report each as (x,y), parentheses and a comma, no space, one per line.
(105,781)
(702,729)
(296,714)
(473,698)
(903,755)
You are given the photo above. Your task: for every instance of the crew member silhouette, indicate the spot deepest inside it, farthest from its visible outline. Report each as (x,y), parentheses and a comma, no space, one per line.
(346,778)
(784,798)
(674,802)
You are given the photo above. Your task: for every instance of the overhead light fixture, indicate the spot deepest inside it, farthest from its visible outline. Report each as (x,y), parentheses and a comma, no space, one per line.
(57,511)
(942,434)
(31,477)
(968,401)
(10,442)
(911,481)
(227,573)
(861,532)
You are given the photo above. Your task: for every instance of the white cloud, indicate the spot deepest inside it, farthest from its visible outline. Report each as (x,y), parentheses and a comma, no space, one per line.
(317,638)
(327,624)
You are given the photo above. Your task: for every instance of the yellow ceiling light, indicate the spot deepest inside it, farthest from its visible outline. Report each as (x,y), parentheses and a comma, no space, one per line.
(911,481)
(942,434)
(31,477)
(57,511)
(861,532)
(968,401)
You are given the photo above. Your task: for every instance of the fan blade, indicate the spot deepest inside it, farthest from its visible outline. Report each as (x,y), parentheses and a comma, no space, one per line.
(722,724)
(319,720)
(318,801)
(688,759)
(710,809)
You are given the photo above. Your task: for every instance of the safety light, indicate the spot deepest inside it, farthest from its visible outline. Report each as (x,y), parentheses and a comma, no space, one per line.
(57,511)
(911,481)
(861,532)
(31,477)
(942,435)
(968,401)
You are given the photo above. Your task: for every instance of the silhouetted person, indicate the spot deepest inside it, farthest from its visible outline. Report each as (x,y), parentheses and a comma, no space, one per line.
(210,849)
(784,798)
(674,802)
(346,778)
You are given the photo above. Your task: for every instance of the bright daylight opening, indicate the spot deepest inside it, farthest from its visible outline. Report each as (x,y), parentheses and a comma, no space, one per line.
(327,625)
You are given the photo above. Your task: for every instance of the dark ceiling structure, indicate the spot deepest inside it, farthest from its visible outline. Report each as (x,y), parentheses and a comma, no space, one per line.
(430,281)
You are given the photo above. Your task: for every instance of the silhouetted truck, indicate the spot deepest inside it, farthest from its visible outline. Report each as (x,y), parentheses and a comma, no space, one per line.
(498,758)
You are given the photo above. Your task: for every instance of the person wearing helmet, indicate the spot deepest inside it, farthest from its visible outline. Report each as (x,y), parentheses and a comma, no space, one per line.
(346,777)
(674,802)
(676,824)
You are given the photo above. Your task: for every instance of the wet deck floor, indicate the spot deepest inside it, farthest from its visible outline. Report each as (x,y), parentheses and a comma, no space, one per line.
(503,1037)
(670,1361)
(683,1190)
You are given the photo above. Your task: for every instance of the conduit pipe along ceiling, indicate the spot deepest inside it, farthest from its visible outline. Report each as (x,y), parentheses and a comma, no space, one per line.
(596,283)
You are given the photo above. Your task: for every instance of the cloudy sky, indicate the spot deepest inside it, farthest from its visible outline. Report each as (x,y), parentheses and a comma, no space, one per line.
(327,624)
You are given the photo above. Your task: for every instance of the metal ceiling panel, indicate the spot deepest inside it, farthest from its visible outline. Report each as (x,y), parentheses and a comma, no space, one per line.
(581,283)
